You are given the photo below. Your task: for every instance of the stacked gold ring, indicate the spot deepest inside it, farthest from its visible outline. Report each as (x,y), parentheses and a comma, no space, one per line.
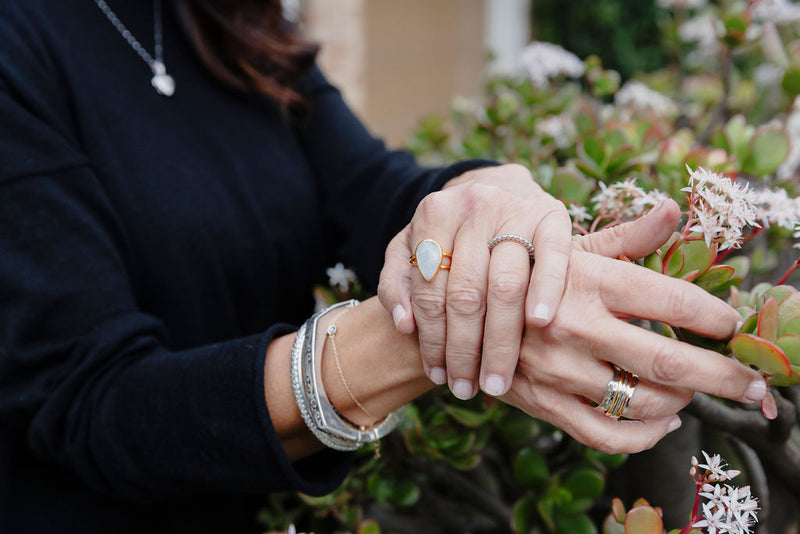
(619,393)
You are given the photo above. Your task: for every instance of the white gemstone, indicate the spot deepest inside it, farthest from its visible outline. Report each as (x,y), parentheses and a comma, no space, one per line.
(164,84)
(429,257)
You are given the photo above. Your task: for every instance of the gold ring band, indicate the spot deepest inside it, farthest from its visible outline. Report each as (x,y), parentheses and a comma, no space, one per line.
(619,393)
(429,258)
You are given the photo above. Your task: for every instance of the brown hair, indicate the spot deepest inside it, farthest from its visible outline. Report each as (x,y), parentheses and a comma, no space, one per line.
(248,45)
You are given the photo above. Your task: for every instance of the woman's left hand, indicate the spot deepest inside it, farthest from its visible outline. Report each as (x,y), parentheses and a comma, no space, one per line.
(470,318)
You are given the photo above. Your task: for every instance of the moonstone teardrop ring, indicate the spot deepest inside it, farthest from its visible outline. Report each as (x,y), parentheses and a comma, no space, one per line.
(516,238)
(429,259)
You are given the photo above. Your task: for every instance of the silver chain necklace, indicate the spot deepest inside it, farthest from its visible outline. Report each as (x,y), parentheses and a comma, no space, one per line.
(162,82)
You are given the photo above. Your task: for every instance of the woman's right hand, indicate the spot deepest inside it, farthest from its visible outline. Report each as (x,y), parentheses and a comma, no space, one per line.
(566,364)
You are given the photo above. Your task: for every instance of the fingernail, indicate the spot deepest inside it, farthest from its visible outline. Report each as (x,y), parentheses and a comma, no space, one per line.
(755,391)
(398,313)
(438,376)
(494,385)
(674,425)
(541,311)
(462,389)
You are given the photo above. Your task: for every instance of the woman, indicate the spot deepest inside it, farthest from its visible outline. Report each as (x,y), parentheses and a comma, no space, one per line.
(164,212)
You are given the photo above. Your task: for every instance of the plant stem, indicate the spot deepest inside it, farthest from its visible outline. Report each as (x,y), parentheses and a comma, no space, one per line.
(788,272)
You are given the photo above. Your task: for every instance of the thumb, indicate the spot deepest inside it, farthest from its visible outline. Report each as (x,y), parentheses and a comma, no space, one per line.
(635,239)
(394,287)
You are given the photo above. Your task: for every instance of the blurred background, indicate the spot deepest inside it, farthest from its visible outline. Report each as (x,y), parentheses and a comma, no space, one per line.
(397,62)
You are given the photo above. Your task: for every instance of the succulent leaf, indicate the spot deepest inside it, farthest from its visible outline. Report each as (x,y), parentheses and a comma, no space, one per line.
(618,510)
(643,520)
(768,406)
(768,149)
(768,320)
(715,277)
(767,356)
(780,292)
(792,326)
(790,345)
(789,308)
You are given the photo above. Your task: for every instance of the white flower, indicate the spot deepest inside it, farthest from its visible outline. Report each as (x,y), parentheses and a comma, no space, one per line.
(721,207)
(639,96)
(560,128)
(682,4)
(777,11)
(341,277)
(713,519)
(578,213)
(775,207)
(705,31)
(544,61)
(625,200)
(767,75)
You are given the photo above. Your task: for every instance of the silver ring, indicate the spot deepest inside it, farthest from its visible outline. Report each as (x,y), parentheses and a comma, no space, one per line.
(619,393)
(516,238)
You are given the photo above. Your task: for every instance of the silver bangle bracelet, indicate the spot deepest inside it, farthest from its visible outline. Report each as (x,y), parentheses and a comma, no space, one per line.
(316,409)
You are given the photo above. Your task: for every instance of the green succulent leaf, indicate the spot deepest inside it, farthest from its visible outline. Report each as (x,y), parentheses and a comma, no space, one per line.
(577,524)
(741,266)
(737,136)
(584,483)
(789,308)
(763,354)
(790,345)
(715,278)
(791,82)
(611,526)
(575,506)
(530,468)
(368,526)
(780,292)
(468,418)
(643,520)
(592,147)
(523,515)
(618,510)
(768,149)
(768,320)
(792,326)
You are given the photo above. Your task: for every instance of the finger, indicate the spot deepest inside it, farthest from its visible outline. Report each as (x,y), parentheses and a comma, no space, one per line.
(434,220)
(635,239)
(587,424)
(509,275)
(466,308)
(631,290)
(667,361)
(649,400)
(394,287)
(552,240)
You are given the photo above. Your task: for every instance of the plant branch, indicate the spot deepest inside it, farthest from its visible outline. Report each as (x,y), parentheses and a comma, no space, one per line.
(473,495)
(757,477)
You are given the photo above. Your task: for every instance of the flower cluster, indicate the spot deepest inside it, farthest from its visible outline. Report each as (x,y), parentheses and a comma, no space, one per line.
(728,509)
(776,207)
(560,128)
(544,61)
(624,200)
(720,209)
(638,96)
(340,277)
(777,11)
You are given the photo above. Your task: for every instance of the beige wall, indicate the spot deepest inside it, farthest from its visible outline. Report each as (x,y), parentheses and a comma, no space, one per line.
(399,60)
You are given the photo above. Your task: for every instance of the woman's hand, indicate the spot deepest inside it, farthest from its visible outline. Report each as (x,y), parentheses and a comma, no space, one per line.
(566,364)
(470,319)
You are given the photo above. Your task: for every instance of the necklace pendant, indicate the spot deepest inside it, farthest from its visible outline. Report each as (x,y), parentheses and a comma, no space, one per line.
(161,81)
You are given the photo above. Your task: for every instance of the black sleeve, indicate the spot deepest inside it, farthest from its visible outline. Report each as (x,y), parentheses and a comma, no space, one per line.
(84,374)
(370,192)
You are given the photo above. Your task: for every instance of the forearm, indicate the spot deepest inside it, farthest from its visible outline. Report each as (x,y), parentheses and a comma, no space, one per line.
(382,368)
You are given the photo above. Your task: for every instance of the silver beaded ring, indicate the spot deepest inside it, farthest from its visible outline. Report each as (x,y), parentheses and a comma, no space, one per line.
(516,238)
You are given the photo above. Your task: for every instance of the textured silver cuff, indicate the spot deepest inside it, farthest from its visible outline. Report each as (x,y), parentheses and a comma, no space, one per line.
(316,409)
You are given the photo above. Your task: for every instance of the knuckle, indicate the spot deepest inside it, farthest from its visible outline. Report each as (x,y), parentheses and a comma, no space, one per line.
(465,301)
(507,287)
(680,306)
(669,366)
(429,306)
(431,207)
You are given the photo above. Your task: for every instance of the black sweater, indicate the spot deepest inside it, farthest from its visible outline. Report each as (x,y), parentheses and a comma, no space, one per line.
(150,249)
